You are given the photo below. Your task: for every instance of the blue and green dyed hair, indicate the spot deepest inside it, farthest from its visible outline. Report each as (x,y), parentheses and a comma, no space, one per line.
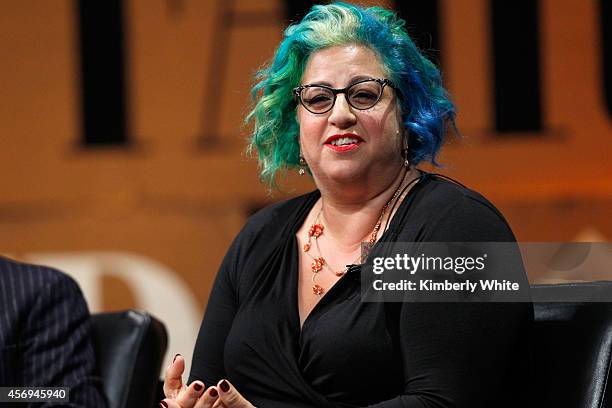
(424,103)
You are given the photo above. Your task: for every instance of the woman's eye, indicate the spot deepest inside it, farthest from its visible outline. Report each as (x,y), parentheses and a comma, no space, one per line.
(318,99)
(364,96)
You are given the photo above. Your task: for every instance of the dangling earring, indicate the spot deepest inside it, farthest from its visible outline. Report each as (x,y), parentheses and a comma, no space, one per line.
(303,166)
(404,153)
(405,156)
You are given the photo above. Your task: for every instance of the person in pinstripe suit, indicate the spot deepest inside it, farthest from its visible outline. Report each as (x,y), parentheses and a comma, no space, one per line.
(44,333)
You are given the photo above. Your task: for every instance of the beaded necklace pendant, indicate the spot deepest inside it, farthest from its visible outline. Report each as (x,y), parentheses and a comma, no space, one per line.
(316,230)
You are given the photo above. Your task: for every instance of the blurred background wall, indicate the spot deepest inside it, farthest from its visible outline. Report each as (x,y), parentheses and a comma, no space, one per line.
(122,140)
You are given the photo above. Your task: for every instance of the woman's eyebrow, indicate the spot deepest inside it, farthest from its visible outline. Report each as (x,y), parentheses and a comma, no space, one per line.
(325,83)
(351,81)
(359,78)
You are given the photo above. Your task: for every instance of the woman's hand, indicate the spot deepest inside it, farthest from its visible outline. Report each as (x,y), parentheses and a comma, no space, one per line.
(180,396)
(229,397)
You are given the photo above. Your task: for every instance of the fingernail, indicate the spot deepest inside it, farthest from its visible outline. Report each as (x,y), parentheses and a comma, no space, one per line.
(163,404)
(197,387)
(213,393)
(175,357)
(224,386)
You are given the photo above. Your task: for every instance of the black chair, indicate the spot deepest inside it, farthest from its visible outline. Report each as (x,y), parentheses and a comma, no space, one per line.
(129,348)
(573,345)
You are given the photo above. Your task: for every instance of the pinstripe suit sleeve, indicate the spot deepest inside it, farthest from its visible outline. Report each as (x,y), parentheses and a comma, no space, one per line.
(57,350)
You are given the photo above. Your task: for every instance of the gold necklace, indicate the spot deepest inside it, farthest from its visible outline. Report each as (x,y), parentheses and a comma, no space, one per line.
(316,230)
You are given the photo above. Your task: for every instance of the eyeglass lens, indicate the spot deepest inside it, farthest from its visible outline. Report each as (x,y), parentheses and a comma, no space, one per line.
(362,95)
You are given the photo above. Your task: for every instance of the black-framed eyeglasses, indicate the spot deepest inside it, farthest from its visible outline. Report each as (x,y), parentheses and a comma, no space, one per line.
(361,95)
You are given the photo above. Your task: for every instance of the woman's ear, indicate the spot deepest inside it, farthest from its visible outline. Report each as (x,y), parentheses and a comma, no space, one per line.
(299,142)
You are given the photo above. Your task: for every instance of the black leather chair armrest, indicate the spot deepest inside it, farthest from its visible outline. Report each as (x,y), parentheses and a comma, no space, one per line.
(129,348)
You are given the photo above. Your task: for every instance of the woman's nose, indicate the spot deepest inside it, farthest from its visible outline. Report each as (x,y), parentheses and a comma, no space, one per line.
(342,115)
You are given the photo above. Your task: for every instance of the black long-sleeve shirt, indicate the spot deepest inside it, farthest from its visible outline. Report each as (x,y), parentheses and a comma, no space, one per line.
(351,353)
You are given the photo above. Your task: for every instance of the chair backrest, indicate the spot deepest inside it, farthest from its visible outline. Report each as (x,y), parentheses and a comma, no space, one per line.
(129,348)
(573,345)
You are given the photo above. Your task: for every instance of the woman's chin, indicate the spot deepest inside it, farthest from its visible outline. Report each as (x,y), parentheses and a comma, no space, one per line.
(343,175)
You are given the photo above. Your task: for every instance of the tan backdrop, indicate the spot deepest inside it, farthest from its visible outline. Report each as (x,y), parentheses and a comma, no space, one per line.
(146,226)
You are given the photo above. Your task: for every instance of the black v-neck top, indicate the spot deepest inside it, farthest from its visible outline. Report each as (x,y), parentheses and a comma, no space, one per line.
(356,354)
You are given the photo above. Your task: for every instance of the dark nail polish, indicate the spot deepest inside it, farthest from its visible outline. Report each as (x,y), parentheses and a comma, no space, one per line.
(173,360)
(224,386)
(197,387)
(163,404)
(213,393)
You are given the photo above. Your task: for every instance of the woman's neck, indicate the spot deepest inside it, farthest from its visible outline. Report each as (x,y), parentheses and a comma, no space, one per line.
(350,220)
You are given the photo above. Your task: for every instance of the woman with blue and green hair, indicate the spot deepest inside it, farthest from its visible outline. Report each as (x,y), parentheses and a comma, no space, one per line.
(350,101)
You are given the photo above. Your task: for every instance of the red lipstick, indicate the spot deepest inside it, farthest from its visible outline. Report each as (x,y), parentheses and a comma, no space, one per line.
(344,142)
